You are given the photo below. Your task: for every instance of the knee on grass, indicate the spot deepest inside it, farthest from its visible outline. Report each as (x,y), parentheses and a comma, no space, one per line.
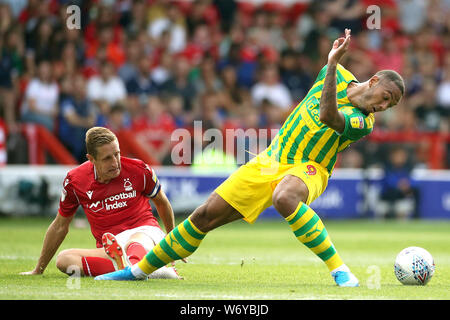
(67,260)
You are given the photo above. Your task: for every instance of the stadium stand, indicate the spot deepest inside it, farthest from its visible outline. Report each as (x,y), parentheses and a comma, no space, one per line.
(204,60)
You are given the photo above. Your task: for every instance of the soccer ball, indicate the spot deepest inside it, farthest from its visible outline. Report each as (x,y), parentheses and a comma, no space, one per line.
(414,266)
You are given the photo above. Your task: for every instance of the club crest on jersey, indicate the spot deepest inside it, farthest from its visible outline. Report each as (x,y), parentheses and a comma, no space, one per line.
(357,122)
(311,170)
(127,184)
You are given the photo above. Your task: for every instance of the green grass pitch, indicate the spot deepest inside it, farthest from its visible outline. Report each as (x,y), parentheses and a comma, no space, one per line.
(240,262)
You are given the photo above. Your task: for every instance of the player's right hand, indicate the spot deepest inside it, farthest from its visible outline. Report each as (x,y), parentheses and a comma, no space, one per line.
(339,48)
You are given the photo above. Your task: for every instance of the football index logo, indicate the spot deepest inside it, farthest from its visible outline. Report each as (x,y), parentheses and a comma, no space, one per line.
(113,202)
(94,206)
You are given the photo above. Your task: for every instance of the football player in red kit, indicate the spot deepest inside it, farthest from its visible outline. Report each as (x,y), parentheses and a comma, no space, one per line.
(114,193)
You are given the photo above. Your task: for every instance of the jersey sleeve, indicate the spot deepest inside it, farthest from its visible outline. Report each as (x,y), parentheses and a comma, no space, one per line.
(68,203)
(152,186)
(357,125)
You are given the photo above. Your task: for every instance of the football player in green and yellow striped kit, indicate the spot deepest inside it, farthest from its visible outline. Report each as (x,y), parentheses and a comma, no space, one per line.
(292,172)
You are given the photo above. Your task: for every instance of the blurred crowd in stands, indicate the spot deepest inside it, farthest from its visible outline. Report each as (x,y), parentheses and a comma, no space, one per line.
(152,66)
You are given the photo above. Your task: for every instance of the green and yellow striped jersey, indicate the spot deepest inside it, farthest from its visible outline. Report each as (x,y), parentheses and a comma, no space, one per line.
(304,138)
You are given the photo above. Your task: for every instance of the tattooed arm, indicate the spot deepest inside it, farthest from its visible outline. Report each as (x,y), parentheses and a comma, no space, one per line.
(329,114)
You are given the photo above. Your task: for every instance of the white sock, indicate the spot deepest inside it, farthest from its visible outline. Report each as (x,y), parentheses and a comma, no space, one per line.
(137,272)
(341,268)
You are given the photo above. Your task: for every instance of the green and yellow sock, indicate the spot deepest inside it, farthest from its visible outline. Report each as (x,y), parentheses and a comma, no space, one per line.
(180,243)
(309,230)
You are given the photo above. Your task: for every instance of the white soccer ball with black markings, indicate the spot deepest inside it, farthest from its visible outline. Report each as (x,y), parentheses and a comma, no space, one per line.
(414,266)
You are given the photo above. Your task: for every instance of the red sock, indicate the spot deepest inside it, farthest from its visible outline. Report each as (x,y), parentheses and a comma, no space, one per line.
(94,266)
(135,252)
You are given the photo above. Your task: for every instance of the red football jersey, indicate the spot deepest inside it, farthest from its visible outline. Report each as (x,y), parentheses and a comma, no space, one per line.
(119,205)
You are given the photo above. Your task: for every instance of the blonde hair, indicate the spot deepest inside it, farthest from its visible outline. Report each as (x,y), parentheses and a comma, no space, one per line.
(97,137)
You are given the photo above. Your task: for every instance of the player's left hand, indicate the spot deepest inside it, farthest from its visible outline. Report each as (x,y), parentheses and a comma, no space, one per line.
(28,273)
(339,48)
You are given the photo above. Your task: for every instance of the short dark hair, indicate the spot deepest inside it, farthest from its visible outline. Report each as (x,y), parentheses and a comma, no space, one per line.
(393,76)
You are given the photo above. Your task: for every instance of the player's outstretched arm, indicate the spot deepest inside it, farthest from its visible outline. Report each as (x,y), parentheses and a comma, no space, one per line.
(54,236)
(329,114)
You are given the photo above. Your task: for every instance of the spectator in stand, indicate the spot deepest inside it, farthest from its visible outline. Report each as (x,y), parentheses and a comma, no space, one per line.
(137,20)
(209,110)
(11,68)
(162,72)
(358,60)
(271,88)
(108,39)
(277,24)
(67,65)
(232,95)
(272,115)
(412,15)
(41,44)
(346,14)
(227,10)
(351,158)
(293,76)
(153,130)
(201,12)
(103,32)
(203,44)
(311,27)
(166,17)
(427,109)
(175,107)
(399,197)
(244,61)
(76,116)
(207,78)
(6,19)
(180,83)
(129,69)
(421,55)
(40,103)
(234,37)
(195,50)
(389,56)
(118,118)
(141,85)
(260,32)
(106,86)
(16,6)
